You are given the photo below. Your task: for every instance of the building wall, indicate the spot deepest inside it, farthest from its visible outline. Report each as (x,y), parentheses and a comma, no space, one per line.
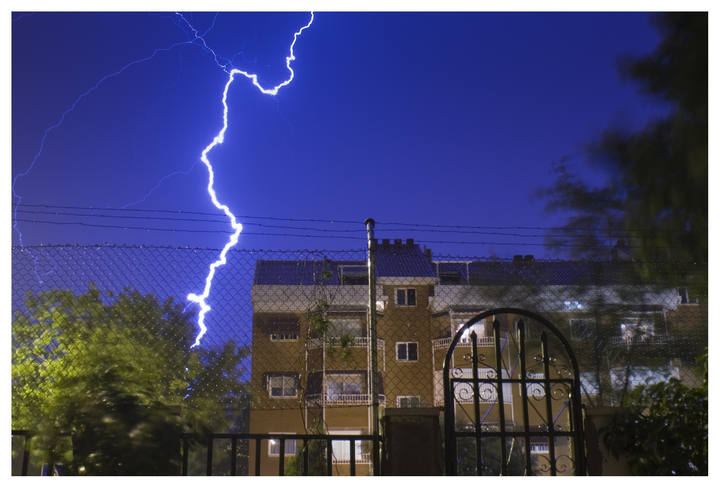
(407,324)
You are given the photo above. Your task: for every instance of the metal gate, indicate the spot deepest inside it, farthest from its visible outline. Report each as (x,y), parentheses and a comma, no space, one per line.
(512,398)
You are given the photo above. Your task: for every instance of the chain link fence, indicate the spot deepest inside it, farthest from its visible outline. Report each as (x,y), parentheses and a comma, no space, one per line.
(287,344)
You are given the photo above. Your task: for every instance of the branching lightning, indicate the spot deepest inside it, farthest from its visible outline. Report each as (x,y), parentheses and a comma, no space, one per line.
(200,300)
(69,110)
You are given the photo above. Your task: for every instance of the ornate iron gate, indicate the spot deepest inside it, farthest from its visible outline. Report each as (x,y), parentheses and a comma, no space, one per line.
(521,381)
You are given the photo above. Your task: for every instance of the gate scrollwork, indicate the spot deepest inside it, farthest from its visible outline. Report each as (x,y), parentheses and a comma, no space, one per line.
(513,408)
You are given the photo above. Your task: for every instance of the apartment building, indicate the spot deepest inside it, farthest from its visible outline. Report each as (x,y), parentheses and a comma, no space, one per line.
(311,355)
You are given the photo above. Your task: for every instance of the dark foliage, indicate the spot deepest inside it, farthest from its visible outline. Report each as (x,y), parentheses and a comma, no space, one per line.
(664,429)
(656,199)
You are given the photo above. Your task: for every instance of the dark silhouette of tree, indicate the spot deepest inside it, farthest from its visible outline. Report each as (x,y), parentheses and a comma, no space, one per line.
(656,199)
(118,374)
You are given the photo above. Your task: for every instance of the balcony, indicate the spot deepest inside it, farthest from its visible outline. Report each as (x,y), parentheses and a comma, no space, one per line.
(343,399)
(317,342)
(444,342)
(637,340)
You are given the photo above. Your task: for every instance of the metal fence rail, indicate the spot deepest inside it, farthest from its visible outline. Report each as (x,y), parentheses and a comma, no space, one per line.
(207,442)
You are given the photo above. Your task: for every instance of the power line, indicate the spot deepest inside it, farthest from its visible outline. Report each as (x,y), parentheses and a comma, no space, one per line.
(421,227)
(314,229)
(190,212)
(184,219)
(185,248)
(164,229)
(206,231)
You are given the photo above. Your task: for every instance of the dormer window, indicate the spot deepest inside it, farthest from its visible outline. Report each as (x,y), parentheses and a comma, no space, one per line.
(405,297)
(354,275)
(450,278)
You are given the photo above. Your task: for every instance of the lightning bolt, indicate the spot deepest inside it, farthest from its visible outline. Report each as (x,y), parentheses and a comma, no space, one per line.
(70,109)
(200,300)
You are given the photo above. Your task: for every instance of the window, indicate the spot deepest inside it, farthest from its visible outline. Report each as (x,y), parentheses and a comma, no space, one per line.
(464,392)
(274,445)
(405,297)
(535,391)
(573,305)
(341,449)
(478,327)
(354,275)
(345,327)
(284,337)
(636,328)
(344,384)
(450,278)
(539,447)
(581,329)
(408,401)
(282,386)
(641,375)
(406,351)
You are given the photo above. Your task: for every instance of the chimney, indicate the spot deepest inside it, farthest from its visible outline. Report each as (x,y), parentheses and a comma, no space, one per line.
(517,259)
(529,259)
(386,242)
(410,242)
(398,242)
(428,253)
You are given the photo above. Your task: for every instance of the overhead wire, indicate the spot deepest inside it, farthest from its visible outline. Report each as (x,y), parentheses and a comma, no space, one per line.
(324,236)
(316,229)
(420,227)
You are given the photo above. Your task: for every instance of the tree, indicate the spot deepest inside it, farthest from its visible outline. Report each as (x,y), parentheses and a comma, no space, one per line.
(118,374)
(656,199)
(664,428)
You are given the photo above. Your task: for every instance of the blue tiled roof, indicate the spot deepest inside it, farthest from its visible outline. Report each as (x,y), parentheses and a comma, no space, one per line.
(406,259)
(392,260)
(552,273)
(298,272)
(402,260)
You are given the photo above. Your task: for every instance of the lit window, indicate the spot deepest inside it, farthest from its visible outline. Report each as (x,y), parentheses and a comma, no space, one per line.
(573,305)
(341,449)
(478,327)
(406,351)
(289,337)
(405,297)
(282,386)
(274,445)
(636,329)
(408,401)
(539,447)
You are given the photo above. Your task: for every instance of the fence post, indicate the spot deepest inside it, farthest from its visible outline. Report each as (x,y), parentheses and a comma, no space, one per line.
(372,326)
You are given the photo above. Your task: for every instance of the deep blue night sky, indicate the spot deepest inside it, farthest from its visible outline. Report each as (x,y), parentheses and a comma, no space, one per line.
(441,118)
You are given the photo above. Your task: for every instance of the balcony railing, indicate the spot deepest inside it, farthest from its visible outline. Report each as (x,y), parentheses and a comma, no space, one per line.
(361,458)
(343,399)
(317,342)
(641,340)
(445,342)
